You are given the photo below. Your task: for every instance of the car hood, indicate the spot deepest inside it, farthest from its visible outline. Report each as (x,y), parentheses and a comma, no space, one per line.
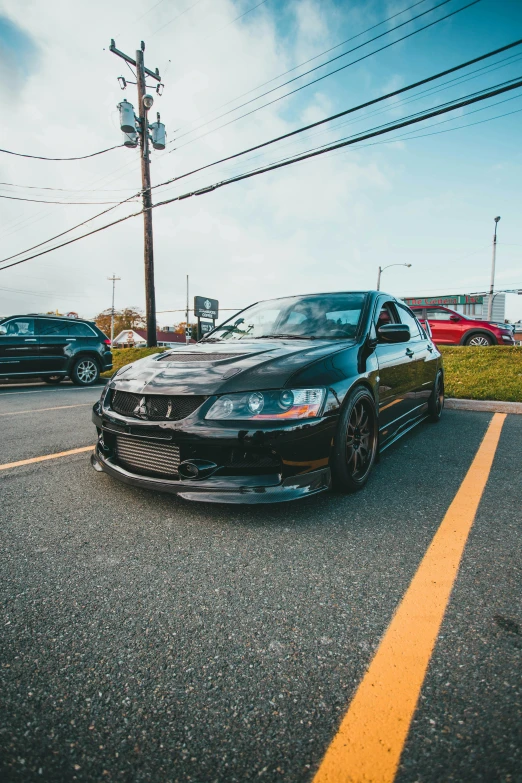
(216,368)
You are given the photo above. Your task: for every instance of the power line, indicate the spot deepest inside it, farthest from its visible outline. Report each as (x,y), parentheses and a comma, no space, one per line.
(347,111)
(325,76)
(174,19)
(66,203)
(68,231)
(296,159)
(290,70)
(82,157)
(63,190)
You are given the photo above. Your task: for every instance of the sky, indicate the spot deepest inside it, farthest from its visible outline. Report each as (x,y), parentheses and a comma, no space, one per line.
(427,198)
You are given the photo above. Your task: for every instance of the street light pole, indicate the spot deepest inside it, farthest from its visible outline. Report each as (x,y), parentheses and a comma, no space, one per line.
(381,269)
(493,263)
(113,278)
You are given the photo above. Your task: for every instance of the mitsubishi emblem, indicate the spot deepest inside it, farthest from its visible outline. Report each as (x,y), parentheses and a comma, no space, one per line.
(141,409)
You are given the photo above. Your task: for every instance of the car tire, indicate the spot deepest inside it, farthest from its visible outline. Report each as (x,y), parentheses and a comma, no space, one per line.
(479,340)
(85,372)
(436,400)
(52,380)
(355,444)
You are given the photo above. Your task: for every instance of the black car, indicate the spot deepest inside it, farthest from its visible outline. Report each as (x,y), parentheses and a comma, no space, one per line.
(52,348)
(289,397)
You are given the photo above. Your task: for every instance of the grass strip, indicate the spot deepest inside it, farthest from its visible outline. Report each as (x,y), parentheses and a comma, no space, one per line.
(473,373)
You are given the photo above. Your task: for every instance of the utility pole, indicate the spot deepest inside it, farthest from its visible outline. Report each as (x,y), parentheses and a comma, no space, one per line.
(187,330)
(113,278)
(379,279)
(141,127)
(493,263)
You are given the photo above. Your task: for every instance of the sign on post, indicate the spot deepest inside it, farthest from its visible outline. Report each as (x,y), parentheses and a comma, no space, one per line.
(204,307)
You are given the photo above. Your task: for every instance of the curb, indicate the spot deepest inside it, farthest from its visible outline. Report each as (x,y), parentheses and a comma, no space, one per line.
(492,406)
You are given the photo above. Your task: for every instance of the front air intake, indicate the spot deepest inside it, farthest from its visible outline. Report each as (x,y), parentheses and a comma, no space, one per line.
(147,459)
(199,357)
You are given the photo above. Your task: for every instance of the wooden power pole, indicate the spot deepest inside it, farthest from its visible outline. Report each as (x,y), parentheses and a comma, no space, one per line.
(144,104)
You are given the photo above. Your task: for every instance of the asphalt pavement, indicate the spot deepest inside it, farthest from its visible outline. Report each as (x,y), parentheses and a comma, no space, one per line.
(148,638)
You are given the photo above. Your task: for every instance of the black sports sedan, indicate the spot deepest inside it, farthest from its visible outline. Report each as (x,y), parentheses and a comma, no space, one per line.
(288,398)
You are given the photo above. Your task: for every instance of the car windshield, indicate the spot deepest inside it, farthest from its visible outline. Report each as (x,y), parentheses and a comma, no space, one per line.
(320,316)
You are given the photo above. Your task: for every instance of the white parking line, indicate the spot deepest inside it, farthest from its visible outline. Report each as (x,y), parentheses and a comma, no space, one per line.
(53,391)
(39,410)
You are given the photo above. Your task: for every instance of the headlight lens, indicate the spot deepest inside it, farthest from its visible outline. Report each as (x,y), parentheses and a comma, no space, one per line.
(275,405)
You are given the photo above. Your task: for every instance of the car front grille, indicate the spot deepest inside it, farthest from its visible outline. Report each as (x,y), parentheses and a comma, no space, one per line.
(148,459)
(198,357)
(155,407)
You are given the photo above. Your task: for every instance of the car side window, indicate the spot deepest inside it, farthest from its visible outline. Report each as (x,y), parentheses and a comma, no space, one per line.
(52,328)
(23,327)
(436,314)
(387,315)
(408,319)
(80,330)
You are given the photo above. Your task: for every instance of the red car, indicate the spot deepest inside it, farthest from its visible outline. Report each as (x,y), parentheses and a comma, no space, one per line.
(451,328)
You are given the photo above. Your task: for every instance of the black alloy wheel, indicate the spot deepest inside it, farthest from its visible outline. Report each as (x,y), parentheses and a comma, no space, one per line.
(436,401)
(52,380)
(355,445)
(481,340)
(85,372)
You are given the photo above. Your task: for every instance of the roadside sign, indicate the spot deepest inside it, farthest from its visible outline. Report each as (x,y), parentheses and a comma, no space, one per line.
(204,307)
(206,327)
(452,299)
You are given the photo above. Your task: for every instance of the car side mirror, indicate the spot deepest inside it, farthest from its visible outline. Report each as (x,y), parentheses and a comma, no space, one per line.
(455,318)
(3,331)
(394,333)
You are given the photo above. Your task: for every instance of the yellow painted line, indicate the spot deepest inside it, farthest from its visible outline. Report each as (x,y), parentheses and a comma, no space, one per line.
(21,462)
(368,745)
(39,410)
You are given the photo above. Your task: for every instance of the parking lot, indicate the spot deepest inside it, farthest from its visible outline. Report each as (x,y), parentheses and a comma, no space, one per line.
(150,638)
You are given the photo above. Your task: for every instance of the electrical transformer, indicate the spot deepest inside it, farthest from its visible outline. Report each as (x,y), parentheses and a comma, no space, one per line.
(159,136)
(130,139)
(127,118)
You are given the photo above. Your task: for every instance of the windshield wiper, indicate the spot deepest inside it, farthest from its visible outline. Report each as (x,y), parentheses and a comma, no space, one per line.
(285,336)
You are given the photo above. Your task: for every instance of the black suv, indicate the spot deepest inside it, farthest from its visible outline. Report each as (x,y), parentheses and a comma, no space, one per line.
(53,347)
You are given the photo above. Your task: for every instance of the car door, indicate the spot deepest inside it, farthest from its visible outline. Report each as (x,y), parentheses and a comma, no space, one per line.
(19,348)
(424,358)
(396,376)
(53,344)
(442,327)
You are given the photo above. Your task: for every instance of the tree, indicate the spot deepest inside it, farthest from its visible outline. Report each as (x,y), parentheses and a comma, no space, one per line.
(124,320)
(180,329)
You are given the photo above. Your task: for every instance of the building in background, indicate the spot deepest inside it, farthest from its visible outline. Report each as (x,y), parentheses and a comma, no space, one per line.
(472,305)
(137,338)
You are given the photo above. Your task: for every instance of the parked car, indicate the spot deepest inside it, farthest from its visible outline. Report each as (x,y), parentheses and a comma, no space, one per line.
(52,348)
(288,398)
(451,328)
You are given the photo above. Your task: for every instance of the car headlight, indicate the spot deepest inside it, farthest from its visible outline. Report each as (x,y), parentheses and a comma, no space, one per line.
(275,405)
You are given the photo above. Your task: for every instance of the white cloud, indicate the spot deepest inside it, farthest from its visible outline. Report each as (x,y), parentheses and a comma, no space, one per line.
(322,225)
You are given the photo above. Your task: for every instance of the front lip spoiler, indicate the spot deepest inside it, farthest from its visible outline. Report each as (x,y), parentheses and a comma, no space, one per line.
(232,489)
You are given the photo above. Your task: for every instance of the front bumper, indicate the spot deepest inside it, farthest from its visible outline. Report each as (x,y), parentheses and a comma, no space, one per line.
(221,489)
(294,459)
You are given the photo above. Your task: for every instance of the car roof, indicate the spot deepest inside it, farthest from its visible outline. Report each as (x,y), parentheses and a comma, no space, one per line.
(49,317)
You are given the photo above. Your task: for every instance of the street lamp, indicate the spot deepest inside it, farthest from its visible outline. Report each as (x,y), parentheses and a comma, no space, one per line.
(381,269)
(493,262)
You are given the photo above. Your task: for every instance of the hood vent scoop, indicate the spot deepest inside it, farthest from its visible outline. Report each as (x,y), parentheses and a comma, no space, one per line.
(199,357)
